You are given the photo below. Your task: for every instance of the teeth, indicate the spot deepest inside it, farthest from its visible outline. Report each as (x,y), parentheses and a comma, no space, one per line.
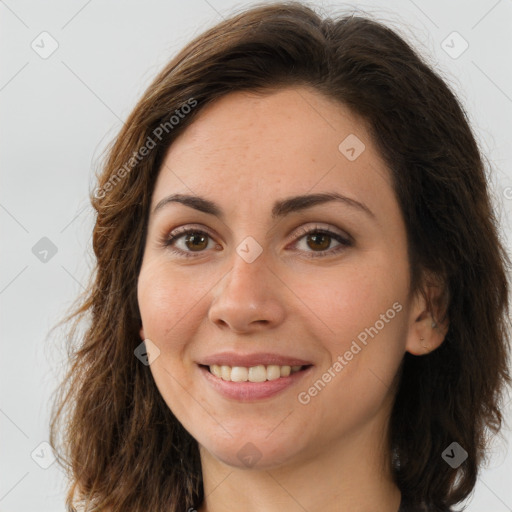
(225,372)
(273,372)
(258,373)
(239,374)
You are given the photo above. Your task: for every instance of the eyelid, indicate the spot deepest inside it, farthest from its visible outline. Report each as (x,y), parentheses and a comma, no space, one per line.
(173,234)
(304,230)
(189,227)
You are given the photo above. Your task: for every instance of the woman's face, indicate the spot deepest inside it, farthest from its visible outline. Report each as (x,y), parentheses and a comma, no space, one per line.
(249,287)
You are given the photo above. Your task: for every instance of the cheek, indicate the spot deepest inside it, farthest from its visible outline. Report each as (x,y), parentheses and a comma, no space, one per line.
(350,298)
(168,304)
(169,300)
(365,313)
(363,316)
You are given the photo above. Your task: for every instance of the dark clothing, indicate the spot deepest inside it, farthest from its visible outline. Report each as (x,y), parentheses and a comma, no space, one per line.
(406,506)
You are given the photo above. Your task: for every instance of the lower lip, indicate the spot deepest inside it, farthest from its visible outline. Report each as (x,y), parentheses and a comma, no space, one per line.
(250,391)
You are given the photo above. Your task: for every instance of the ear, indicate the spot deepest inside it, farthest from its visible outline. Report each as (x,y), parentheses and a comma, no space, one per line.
(141,333)
(428,322)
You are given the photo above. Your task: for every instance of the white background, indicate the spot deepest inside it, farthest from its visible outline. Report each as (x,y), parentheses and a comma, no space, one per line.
(58,114)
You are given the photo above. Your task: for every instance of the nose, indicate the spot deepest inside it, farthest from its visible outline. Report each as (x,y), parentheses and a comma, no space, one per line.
(249,298)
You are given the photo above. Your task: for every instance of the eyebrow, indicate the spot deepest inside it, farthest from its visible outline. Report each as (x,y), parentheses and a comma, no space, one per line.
(280,209)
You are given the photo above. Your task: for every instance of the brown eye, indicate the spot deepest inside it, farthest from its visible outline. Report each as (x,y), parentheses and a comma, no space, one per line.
(187,241)
(319,241)
(196,241)
(190,242)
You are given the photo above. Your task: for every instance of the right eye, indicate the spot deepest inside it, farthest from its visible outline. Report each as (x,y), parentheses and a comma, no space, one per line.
(193,238)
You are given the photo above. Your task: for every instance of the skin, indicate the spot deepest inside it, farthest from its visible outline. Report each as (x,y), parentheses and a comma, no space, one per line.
(244,152)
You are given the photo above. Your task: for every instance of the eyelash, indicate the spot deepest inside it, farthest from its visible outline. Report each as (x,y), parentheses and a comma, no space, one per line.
(167,241)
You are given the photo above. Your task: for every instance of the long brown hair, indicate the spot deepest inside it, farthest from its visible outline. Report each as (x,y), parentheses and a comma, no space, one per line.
(121,446)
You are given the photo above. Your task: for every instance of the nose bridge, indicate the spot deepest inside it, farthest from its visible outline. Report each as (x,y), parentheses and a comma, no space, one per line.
(248,296)
(249,275)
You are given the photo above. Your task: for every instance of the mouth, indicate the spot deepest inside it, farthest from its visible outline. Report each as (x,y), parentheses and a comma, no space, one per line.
(252,383)
(258,373)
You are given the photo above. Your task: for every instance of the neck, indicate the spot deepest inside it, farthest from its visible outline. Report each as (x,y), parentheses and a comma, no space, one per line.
(352,476)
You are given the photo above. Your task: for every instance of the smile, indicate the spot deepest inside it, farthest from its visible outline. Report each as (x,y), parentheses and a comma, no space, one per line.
(259,373)
(268,382)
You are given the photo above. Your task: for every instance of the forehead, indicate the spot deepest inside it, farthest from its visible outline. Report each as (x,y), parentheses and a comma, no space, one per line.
(285,142)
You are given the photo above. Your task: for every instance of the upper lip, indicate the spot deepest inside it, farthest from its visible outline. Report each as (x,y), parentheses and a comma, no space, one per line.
(248,360)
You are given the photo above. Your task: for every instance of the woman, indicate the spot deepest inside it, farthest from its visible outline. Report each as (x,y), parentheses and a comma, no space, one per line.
(300,300)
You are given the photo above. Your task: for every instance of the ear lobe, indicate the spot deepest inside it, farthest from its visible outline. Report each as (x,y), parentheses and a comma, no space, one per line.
(428,323)
(141,333)
(425,335)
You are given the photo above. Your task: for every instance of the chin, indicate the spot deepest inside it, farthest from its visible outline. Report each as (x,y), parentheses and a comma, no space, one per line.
(252,452)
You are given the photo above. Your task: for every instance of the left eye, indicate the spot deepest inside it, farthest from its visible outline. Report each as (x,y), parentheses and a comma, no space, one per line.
(321,239)
(196,240)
